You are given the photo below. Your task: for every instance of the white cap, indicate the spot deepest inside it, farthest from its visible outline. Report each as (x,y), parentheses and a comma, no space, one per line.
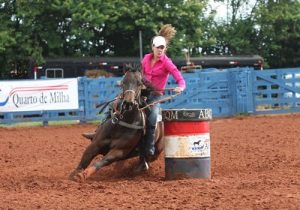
(159,41)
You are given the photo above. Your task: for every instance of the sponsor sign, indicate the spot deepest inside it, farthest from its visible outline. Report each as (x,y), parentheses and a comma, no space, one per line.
(187,146)
(37,95)
(186,115)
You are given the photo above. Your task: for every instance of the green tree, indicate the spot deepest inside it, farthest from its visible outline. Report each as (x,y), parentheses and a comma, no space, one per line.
(278,32)
(118,32)
(35,30)
(270,28)
(235,33)
(32,27)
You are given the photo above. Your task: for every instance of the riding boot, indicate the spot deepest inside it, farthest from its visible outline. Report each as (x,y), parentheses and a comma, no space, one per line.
(150,143)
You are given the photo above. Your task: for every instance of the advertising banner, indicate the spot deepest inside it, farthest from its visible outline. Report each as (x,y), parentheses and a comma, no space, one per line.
(37,95)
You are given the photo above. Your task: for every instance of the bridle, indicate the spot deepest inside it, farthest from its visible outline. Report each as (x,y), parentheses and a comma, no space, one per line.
(118,112)
(119,109)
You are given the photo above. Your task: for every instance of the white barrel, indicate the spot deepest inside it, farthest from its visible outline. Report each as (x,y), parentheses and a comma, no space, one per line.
(187,143)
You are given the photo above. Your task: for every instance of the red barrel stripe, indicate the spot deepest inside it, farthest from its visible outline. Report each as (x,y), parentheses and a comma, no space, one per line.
(185,127)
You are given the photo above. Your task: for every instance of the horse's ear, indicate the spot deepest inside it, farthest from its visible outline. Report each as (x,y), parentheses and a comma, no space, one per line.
(131,67)
(137,67)
(127,67)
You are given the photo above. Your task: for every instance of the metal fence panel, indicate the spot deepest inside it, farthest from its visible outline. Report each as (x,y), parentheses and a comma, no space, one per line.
(276,91)
(227,93)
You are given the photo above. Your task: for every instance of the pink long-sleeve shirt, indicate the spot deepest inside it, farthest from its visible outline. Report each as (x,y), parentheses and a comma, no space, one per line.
(159,73)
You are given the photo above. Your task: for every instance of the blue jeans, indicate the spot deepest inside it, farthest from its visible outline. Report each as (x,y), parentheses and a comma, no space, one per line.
(149,139)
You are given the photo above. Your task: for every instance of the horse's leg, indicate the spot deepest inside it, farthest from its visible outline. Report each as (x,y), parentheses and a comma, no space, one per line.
(142,165)
(90,152)
(110,157)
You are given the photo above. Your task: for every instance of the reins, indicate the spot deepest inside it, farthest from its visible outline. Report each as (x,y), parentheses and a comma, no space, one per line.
(160,101)
(106,102)
(119,119)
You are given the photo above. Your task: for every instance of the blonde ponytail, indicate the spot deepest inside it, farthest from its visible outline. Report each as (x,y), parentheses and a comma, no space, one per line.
(167,31)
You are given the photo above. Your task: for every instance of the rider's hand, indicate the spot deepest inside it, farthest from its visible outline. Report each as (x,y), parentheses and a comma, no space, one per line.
(178,89)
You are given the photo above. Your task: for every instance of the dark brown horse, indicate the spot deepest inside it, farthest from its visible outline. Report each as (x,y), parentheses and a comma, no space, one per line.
(119,137)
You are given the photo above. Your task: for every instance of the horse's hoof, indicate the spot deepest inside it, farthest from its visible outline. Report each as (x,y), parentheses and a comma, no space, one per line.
(77,176)
(71,176)
(142,167)
(83,175)
(80,177)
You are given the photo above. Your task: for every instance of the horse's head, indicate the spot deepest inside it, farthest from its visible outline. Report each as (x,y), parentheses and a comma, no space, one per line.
(131,84)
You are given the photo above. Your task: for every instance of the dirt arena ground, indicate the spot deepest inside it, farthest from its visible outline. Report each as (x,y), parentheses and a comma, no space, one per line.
(255,164)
